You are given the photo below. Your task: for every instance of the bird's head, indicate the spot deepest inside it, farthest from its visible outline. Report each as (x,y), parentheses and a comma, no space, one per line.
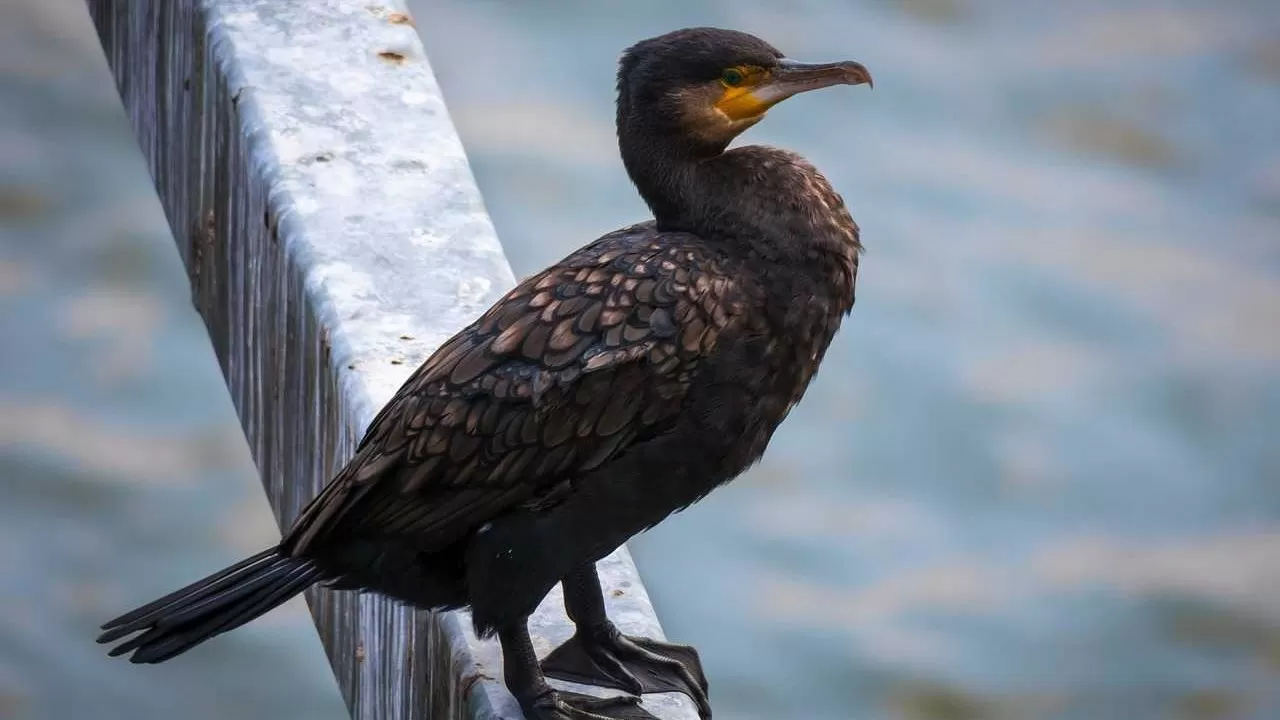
(708,85)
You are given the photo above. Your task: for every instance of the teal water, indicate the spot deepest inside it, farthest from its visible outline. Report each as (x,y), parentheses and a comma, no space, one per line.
(1036,477)
(123,470)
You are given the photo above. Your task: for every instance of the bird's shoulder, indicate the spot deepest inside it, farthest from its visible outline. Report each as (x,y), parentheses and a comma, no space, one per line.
(570,367)
(787,180)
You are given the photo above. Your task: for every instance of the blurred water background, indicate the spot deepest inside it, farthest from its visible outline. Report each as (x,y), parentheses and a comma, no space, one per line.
(1038,476)
(123,470)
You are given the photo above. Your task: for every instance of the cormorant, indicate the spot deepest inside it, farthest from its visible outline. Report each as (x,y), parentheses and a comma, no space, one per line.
(600,395)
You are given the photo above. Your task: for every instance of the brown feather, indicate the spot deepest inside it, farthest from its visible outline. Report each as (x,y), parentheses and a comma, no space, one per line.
(477,423)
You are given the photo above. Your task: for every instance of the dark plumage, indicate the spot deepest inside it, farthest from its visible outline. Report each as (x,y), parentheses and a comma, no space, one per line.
(621,384)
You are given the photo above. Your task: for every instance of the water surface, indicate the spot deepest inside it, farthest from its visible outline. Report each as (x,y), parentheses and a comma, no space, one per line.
(1036,477)
(123,471)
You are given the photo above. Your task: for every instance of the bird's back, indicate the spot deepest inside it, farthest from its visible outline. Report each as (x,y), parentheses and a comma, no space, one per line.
(571,368)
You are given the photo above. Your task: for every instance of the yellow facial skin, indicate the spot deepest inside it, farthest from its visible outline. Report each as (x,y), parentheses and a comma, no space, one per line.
(748,91)
(738,101)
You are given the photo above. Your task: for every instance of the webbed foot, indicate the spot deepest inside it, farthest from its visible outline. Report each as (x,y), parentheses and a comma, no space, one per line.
(604,657)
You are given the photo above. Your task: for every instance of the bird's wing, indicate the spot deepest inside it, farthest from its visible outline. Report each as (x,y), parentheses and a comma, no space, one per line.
(572,366)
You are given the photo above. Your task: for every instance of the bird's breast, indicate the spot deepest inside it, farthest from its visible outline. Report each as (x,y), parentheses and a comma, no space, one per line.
(753,382)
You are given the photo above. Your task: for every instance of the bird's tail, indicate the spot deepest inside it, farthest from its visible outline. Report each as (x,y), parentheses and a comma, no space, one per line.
(224,601)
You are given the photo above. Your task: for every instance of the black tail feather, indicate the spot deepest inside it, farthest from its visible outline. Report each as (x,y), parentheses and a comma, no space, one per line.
(221,602)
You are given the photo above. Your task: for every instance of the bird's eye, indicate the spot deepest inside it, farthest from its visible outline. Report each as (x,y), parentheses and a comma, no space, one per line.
(732,77)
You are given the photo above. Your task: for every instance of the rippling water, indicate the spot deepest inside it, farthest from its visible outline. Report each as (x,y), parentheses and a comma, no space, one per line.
(1036,477)
(123,471)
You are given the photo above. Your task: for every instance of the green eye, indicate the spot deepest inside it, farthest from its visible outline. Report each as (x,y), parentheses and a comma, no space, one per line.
(732,77)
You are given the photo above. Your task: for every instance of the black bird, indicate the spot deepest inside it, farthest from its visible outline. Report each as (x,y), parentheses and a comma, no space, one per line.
(600,395)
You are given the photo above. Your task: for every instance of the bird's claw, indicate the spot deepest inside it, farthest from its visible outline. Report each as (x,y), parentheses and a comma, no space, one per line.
(607,658)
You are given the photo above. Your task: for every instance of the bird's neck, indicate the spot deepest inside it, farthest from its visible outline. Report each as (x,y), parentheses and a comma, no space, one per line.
(667,171)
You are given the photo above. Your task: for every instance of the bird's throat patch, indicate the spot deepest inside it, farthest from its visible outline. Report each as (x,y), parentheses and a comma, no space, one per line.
(740,103)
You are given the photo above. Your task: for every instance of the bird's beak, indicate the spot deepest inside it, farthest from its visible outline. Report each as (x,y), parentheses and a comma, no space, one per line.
(791,78)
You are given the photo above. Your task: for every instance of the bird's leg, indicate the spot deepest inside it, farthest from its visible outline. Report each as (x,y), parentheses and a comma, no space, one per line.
(540,701)
(599,654)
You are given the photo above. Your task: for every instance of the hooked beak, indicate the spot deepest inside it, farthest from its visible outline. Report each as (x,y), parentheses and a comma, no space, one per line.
(792,78)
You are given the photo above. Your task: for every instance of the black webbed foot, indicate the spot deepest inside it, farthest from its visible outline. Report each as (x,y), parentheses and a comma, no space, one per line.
(564,705)
(606,658)
(540,701)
